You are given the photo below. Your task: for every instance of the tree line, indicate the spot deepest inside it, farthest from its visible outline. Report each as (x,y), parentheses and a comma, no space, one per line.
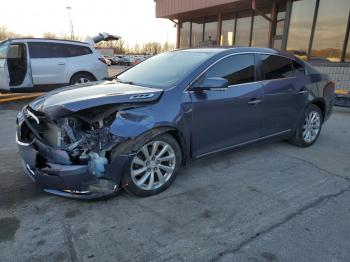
(119,47)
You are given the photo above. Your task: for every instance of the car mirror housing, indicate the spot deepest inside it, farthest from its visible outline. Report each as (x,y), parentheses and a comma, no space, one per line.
(211,83)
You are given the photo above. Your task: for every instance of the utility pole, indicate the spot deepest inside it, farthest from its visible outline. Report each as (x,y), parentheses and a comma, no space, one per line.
(70,23)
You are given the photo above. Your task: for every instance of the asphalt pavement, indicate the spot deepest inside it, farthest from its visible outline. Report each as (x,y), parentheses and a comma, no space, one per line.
(268,202)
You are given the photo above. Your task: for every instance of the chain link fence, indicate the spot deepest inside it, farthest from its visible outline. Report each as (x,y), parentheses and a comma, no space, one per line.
(339,72)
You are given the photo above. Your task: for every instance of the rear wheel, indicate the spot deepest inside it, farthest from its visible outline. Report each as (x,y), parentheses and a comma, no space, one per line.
(154,166)
(81,79)
(309,128)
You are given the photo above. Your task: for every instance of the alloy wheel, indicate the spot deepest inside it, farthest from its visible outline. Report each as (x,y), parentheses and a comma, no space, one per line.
(153,165)
(311,127)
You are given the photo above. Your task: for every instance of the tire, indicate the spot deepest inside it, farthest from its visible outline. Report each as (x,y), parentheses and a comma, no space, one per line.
(81,78)
(300,137)
(152,168)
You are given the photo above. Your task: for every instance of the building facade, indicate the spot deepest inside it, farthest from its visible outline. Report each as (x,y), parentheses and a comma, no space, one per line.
(315,30)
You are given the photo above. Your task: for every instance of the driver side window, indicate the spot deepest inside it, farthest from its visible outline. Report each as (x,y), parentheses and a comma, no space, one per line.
(236,69)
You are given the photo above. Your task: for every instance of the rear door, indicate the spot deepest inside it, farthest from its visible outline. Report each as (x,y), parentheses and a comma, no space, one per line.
(4,74)
(284,94)
(48,63)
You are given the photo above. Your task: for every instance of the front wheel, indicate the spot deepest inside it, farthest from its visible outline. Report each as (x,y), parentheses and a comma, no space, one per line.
(309,128)
(154,166)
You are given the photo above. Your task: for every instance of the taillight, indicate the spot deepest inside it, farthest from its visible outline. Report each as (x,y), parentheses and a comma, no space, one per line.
(103,60)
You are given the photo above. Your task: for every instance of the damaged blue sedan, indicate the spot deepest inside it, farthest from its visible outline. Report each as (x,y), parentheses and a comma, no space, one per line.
(137,129)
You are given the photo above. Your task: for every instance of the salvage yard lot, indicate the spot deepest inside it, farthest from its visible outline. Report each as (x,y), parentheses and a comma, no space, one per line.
(271,202)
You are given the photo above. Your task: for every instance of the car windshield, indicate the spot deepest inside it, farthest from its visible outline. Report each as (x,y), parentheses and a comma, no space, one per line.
(164,70)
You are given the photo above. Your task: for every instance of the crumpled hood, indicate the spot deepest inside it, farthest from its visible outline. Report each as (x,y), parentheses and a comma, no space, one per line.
(71,99)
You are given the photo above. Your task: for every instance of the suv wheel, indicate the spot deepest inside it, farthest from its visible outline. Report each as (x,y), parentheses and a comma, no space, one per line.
(154,166)
(81,79)
(309,128)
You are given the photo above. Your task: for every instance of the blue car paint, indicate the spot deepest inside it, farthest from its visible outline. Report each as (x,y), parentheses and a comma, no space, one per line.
(204,122)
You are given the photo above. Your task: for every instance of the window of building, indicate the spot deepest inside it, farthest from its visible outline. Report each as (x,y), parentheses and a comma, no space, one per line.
(243,27)
(261,29)
(227,30)
(330,30)
(276,67)
(237,69)
(281,15)
(347,53)
(211,31)
(277,44)
(185,35)
(197,33)
(300,27)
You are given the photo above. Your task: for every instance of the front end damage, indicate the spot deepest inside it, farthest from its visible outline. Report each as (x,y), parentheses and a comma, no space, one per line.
(71,156)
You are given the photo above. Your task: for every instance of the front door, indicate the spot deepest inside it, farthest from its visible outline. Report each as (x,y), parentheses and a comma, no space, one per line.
(222,119)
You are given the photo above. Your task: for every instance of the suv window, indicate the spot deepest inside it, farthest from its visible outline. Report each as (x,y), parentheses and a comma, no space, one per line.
(237,69)
(276,67)
(45,50)
(3,49)
(56,50)
(76,50)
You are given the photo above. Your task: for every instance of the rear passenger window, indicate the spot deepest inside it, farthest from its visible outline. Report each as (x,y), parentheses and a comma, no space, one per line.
(276,67)
(299,69)
(237,69)
(56,50)
(45,50)
(76,50)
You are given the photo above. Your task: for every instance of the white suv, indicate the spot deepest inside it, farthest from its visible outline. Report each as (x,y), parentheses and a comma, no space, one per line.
(33,63)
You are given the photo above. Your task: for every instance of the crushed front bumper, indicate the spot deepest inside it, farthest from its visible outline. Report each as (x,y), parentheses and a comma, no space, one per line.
(60,177)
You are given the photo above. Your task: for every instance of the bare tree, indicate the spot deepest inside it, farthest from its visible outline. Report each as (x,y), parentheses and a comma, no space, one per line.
(5,33)
(50,35)
(118,46)
(152,48)
(167,47)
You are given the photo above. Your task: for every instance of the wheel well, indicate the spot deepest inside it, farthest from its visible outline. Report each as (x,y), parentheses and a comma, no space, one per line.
(83,72)
(129,146)
(321,105)
(181,141)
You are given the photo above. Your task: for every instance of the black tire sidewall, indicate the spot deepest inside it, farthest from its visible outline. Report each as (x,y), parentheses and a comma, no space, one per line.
(129,183)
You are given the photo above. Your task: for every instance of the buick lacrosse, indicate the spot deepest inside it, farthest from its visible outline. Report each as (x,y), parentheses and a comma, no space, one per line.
(135,130)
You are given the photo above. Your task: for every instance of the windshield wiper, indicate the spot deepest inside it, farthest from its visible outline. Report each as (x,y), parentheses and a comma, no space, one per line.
(123,82)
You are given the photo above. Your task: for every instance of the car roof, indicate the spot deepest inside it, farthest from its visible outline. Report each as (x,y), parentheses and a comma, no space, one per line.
(238,49)
(32,39)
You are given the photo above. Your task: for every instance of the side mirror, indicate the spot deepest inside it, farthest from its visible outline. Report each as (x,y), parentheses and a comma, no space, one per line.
(211,83)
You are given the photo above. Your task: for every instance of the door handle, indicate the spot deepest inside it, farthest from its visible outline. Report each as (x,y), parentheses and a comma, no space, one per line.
(61,63)
(301,92)
(254,101)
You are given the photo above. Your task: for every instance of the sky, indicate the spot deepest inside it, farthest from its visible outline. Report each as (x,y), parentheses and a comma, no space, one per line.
(133,20)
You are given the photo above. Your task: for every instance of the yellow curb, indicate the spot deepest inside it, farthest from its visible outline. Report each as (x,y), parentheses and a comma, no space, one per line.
(19,96)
